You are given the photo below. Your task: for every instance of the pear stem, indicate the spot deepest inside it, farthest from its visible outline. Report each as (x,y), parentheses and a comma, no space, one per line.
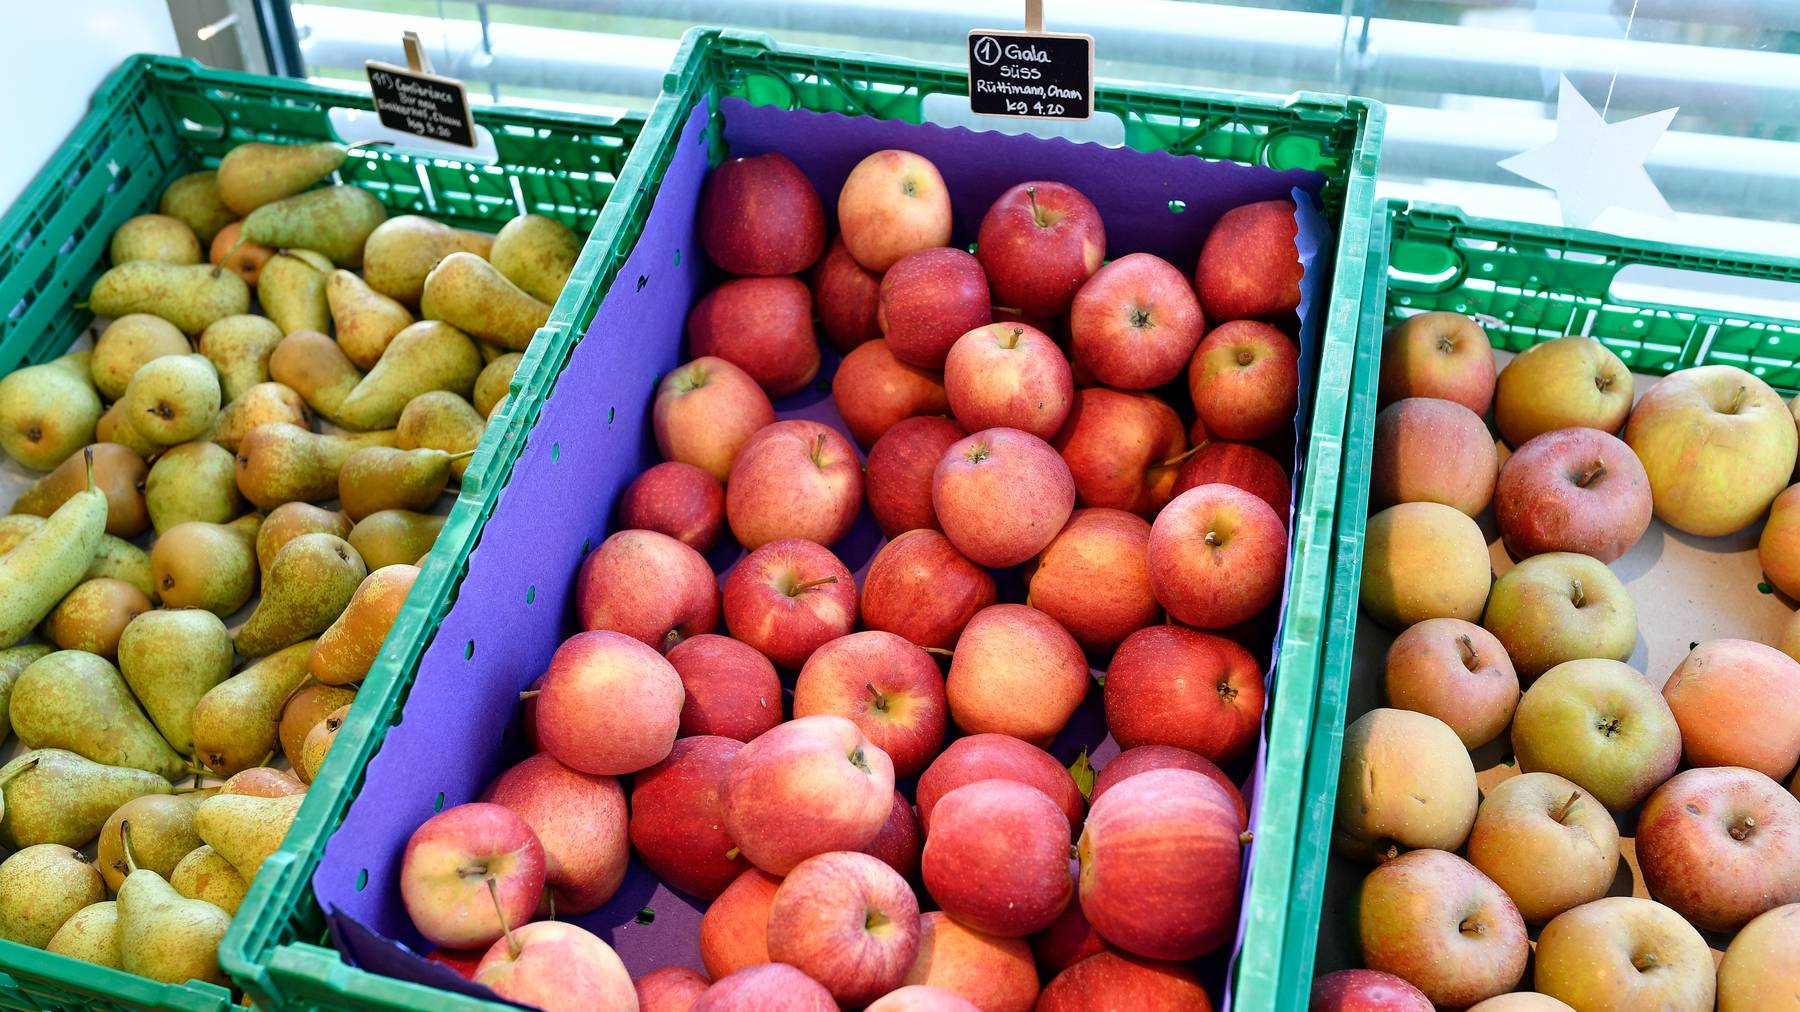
(512,944)
(87,453)
(125,846)
(8,778)
(465,453)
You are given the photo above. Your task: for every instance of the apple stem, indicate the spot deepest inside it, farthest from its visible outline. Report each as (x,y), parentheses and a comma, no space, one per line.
(671,640)
(1471,926)
(1603,383)
(1182,456)
(818,452)
(1579,597)
(1245,838)
(806,585)
(1567,806)
(529,694)
(1037,213)
(1469,657)
(1446,344)
(125,845)
(1588,476)
(1737,401)
(1010,339)
(512,944)
(880,700)
(1246,357)
(1742,830)
(1644,962)
(732,854)
(940,651)
(1212,538)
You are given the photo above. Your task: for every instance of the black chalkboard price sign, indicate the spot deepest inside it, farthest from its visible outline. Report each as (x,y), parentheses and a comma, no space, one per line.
(1038,75)
(416,101)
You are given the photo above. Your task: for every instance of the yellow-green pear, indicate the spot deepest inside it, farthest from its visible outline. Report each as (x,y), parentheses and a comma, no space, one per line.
(162,833)
(366,320)
(129,342)
(378,478)
(193,481)
(239,347)
(314,367)
(290,520)
(395,537)
(204,875)
(495,378)
(536,253)
(260,405)
(347,650)
(91,935)
(194,199)
(305,708)
(235,722)
(77,701)
(291,290)
(115,558)
(402,250)
(53,795)
(173,399)
(318,743)
(191,296)
(429,355)
(245,830)
(171,659)
(441,420)
(255,173)
(113,428)
(155,237)
(280,463)
(118,473)
(40,888)
(49,562)
(48,411)
(334,220)
(311,581)
(13,662)
(470,294)
(163,935)
(209,566)
(94,615)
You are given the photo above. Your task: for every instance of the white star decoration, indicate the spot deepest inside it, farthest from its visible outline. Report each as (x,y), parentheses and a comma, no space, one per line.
(1592,164)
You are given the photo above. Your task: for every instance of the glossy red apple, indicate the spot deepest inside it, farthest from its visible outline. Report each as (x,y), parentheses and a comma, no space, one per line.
(1008,374)
(997,857)
(609,704)
(763,326)
(1366,991)
(1240,465)
(1001,495)
(1250,267)
(978,757)
(1218,556)
(1123,449)
(1144,758)
(1173,686)
(677,499)
(1245,380)
(731,688)
(845,296)
(794,479)
(920,587)
(847,921)
(899,841)
(1435,920)
(1118,980)
(1094,578)
(893,203)
(1135,323)
(1572,490)
(873,391)
(677,820)
(788,598)
(900,469)
(760,215)
(1039,243)
(890,688)
(648,586)
(579,818)
(993,972)
(448,862)
(928,300)
(706,411)
(1016,671)
(811,785)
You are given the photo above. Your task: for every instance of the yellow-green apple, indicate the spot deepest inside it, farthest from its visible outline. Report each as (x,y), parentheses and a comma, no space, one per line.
(1118,980)
(995,973)
(763,326)
(1457,672)
(579,818)
(1123,449)
(921,588)
(1001,495)
(731,689)
(873,391)
(612,593)
(1718,445)
(1443,355)
(734,931)
(760,215)
(1250,267)
(1720,845)
(1406,783)
(1068,940)
(1431,450)
(1779,547)
(677,499)
(997,857)
(922,998)
(1435,920)
(1572,490)
(898,843)
(558,967)
(608,704)
(1160,856)
(1217,556)
(1366,991)
(1135,323)
(1424,560)
(1738,704)
(901,465)
(1547,842)
(769,987)
(888,686)
(1559,607)
(1095,578)
(1571,382)
(669,989)
(1173,686)
(928,300)
(789,598)
(1245,380)
(893,203)
(845,294)
(1016,671)
(447,866)
(677,824)
(811,785)
(1763,960)
(1521,1001)
(1600,724)
(1240,465)
(847,921)
(1039,242)
(998,757)
(794,479)
(1145,758)
(706,411)
(1624,954)
(1008,374)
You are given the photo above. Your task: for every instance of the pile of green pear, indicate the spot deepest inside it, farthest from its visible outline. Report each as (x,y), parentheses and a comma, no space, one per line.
(239,480)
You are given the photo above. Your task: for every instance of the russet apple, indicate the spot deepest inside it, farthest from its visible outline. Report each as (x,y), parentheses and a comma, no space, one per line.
(1016,671)
(648,586)
(901,465)
(1601,724)
(1718,445)
(763,326)
(1117,980)
(1068,940)
(1738,704)
(677,499)
(899,841)
(1239,465)
(1218,556)
(447,867)
(1245,380)
(995,973)
(1173,686)
(997,857)
(1365,991)
(1145,758)
(1457,672)
(677,822)
(1720,845)
(579,819)
(1094,578)
(760,215)
(893,203)
(873,391)
(889,687)
(768,987)
(1763,960)
(789,598)
(1039,242)
(811,785)
(706,411)
(1559,607)
(669,989)
(921,588)
(1624,954)
(1779,546)
(1545,841)
(1571,382)
(731,688)
(794,479)
(928,300)
(847,921)
(978,757)
(1443,355)
(1001,495)
(1406,783)
(1424,560)
(845,294)
(1123,449)
(1431,450)
(1250,265)
(1572,490)
(558,967)
(1435,920)
(1008,374)
(1135,323)
(922,998)
(608,704)
(734,930)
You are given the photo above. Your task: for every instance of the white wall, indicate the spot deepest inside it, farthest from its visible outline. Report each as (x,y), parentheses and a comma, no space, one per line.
(53,54)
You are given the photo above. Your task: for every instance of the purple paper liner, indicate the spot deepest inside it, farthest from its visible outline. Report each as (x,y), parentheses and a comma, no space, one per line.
(460,726)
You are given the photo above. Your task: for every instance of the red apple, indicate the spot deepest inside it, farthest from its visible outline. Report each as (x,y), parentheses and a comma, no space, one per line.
(461,961)
(1241,466)
(448,862)
(1250,267)
(1008,374)
(1434,919)
(677,823)
(899,841)
(760,215)
(1431,450)
(1016,671)
(1217,556)
(1457,672)
(677,499)
(811,785)
(1738,704)
(921,588)
(994,973)
(1144,758)
(1174,686)
(763,326)
(997,857)
(890,688)
(928,300)
(669,989)
(873,391)
(1135,323)
(1366,991)
(794,479)
(731,688)
(893,203)
(1095,578)
(1117,980)
(1039,243)
(1068,940)
(608,705)
(579,818)
(1245,380)
(770,987)
(1720,845)
(1572,490)
(557,967)
(845,294)
(1001,496)
(847,921)
(1440,355)
(734,931)
(648,586)
(1123,449)
(706,411)
(922,998)
(901,465)
(998,757)
(788,598)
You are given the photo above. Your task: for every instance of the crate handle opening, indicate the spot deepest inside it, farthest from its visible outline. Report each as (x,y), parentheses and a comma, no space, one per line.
(1644,284)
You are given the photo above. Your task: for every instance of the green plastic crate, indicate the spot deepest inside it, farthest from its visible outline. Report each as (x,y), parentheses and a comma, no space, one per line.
(1528,284)
(157,118)
(273,953)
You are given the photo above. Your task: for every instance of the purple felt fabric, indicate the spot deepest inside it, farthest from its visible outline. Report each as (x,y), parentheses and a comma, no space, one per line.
(460,726)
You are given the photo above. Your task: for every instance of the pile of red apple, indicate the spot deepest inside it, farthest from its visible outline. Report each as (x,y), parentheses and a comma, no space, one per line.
(983,436)
(1692,772)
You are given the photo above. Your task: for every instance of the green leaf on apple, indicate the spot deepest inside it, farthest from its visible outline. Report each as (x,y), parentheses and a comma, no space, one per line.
(1083,772)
